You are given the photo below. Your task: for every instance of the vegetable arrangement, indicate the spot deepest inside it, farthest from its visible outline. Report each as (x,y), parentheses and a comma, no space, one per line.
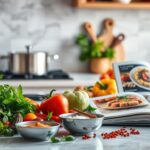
(105,86)
(16,108)
(12,104)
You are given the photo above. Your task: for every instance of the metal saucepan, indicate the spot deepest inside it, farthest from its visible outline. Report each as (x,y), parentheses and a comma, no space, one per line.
(33,63)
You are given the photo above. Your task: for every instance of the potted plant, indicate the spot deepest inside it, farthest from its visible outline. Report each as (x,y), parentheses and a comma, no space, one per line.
(98,57)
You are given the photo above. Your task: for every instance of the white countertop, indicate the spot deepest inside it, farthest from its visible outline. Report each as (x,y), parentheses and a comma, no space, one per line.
(133,142)
(44,86)
(86,79)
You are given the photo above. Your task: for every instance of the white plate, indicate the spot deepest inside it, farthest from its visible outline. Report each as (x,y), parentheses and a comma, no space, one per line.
(104,105)
(134,81)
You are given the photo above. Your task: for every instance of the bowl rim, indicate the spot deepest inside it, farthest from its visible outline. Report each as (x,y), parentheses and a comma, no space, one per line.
(20,124)
(64,116)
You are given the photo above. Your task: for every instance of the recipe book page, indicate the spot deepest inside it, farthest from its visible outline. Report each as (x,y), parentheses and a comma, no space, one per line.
(133,76)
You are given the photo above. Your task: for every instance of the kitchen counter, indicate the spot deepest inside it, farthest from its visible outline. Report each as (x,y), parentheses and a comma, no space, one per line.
(34,86)
(133,142)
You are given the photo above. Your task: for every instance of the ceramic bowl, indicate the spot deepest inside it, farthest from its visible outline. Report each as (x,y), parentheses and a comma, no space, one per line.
(37,133)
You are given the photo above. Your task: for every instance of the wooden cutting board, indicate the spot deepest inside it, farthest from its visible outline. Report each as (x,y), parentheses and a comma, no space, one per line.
(107,34)
(108,38)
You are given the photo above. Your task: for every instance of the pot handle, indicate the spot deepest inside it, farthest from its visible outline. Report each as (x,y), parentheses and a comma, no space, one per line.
(52,57)
(4,57)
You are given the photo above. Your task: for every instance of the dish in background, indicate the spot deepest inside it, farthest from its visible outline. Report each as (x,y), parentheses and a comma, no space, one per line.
(79,126)
(36,133)
(141,77)
(121,101)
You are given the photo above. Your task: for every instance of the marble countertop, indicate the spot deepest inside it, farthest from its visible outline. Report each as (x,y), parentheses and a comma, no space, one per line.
(133,142)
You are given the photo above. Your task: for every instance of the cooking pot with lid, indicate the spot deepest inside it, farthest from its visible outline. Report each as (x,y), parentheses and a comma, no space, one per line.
(32,63)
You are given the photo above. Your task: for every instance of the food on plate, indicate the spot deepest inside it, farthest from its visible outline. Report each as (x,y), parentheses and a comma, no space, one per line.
(142,76)
(128,84)
(125,101)
(77,99)
(36,125)
(104,100)
(125,77)
(57,104)
(105,87)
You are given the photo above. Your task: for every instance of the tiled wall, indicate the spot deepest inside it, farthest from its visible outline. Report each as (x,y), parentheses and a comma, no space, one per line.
(53,24)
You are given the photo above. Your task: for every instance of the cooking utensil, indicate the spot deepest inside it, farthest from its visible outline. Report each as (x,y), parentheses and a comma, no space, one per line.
(90,30)
(118,47)
(31,63)
(42,134)
(81,126)
(107,36)
(85,113)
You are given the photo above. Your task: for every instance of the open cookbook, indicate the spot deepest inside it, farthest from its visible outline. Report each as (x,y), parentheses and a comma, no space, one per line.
(132,105)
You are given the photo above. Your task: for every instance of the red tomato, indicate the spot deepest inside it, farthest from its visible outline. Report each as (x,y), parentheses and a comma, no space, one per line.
(57,104)
(104,76)
(55,118)
(30,117)
(41,116)
(108,74)
(8,123)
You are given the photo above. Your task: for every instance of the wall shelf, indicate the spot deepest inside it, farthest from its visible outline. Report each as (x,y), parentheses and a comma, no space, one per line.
(111,5)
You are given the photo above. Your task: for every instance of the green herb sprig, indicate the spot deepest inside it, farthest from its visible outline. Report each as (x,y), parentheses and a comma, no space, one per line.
(92,50)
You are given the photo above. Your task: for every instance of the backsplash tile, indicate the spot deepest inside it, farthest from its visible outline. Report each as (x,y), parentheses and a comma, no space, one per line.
(53,24)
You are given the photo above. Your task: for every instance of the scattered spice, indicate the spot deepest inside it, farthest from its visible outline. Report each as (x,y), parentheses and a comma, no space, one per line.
(86,136)
(123,132)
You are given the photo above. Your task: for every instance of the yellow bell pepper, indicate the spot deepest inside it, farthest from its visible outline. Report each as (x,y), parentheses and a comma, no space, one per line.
(105,87)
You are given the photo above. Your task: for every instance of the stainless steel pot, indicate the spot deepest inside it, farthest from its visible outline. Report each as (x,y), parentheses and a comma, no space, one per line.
(32,63)
(38,62)
(17,63)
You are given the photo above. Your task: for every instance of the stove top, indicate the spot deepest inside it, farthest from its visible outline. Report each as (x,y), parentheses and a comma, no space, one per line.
(51,75)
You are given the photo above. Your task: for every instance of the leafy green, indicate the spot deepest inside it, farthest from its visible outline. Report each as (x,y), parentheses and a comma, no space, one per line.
(89,88)
(68,138)
(49,116)
(109,53)
(63,139)
(90,108)
(125,97)
(55,140)
(92,50)
(6,130)
(12,102)
(1,76)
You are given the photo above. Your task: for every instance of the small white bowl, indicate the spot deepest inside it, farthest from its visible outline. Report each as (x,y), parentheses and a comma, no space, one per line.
(37,133)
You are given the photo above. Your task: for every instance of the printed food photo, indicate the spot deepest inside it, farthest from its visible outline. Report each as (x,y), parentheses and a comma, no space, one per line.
(141,77)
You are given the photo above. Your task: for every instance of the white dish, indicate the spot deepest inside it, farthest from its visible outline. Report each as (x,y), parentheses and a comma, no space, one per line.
(134,81)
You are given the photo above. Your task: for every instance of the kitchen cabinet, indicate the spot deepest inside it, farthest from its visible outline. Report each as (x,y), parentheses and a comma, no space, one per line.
(110,5)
